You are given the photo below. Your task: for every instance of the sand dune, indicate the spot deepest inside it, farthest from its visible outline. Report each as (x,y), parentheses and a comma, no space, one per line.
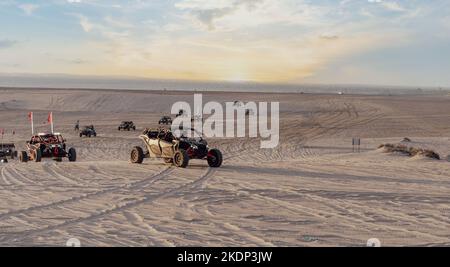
(310,191)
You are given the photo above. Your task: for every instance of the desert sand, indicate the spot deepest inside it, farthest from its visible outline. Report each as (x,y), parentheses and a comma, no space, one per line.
(310,191)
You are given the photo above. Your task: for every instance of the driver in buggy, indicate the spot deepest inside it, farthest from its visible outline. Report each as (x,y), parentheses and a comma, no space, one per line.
(51,139)
(167,136)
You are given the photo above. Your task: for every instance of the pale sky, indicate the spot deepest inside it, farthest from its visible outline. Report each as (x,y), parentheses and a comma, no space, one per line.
(388,42)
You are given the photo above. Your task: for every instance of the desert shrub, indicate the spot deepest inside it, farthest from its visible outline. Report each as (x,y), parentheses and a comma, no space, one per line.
(410,151)
(429,154)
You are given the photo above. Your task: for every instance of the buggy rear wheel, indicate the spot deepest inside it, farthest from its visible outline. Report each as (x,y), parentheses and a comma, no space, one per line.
(23,157)
(215,158)
(137,155)
(181,159)
(72,155)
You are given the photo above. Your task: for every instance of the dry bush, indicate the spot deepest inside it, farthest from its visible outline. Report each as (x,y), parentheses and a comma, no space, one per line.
(429,154)
(410,151)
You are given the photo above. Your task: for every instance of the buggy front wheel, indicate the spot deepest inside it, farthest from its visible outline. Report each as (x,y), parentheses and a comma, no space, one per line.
(37,155)
(181,159)
(137,155)
(23,157)
(215,158)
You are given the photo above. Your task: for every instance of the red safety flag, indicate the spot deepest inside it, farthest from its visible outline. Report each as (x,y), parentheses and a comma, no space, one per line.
(30,116)
(50,117)
(3,131)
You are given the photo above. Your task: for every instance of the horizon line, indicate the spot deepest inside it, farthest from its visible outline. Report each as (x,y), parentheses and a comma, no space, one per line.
(94,77)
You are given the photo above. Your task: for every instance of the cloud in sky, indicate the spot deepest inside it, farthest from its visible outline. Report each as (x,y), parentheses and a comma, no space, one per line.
(261,40)
(28,8)
(7,43)
(390,5)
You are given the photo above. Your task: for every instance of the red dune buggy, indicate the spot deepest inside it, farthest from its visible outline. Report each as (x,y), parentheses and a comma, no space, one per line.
(47,146)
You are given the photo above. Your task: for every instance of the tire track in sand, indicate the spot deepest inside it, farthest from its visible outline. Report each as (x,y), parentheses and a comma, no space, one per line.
(151,179)
(5,180)
(13,237)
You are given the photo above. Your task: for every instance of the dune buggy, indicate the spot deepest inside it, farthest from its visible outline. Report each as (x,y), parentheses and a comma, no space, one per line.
(161,143)
(8,150)
(47,146)
(88,131)
(127,126)
(181,113)
(165,120)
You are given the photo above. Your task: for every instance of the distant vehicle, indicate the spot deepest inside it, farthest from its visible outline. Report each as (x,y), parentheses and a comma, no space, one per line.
(340,93)
(161,143)
(8,150)
(238,103)
(88,131)
(165,120)
(181,113)
(47,146)
(197,118)
(127,126)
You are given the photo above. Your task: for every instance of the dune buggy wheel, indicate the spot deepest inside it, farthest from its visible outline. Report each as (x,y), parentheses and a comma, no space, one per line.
(72,155)
(81,135)
(168,161)
(37,155)
(181,159)
(215,158)
(137,155)
(23,157)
